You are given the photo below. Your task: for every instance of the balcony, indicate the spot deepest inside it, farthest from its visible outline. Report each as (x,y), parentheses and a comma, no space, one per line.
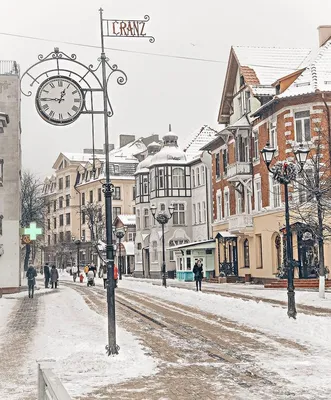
(240,223)
(239,170)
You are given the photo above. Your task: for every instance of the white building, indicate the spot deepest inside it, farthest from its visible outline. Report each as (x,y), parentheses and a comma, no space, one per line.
(163,178)
(10,172)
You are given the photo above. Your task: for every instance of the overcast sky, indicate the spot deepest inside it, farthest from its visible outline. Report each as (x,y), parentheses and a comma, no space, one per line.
(160,90)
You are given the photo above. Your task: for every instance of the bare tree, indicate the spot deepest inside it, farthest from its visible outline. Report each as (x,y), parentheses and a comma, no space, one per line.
(33,206)
(312,200)
(95,220)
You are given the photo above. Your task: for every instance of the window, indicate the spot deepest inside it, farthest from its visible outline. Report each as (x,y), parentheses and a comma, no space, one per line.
(202,175)
(91,196)
(242,149)
(60,183)
(49,240)
(161,178)
(117,193)
(152,179)
(99,194)
(49,208)
(146,218)
(194,214)
(178,178)
(199,213)
(83,235)
(305,181)
(116,212)
(260,253)
(246,253)
(48,224)
(67,200)
(133,210)
(275,193)
(179,214)
(256,152)
(219,207)
(248,202)
(68,236)
(83,199)
(55,238)
(258,196)
(138,219)
(239,203)
(188,263)
(273,134)
(54,205)
(162,207)
(203,211)
(302,126)
(68,219)
(116,168)
(61,220)
(131,236)
(154,249)
(54,223)
(225,161)
(226,204)
(61,202)
(198,177)
(145,185)
(83,217)
(67,181)
(193,178)
(133,193)
(217,165)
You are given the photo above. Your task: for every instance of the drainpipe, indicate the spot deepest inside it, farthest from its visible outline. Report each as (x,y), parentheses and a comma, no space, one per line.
(329,123)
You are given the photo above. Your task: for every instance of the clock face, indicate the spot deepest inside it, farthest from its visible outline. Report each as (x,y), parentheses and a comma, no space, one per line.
(59,100)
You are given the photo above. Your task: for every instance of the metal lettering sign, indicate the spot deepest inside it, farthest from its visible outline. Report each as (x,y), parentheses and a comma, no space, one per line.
(130,28)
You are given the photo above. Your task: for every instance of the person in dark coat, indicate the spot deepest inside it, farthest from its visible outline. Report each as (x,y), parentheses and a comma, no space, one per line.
(47,275)
(54,276)
(31,274)
(198,274)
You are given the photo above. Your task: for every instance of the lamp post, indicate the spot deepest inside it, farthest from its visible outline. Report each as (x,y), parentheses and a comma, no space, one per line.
(77,243)
(285,172)
(162,218)
(119,233)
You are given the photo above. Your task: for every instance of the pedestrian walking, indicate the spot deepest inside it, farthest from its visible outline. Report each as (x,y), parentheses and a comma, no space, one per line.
(104,276)
(86,269)
(198,274)
(74,271)
(115,275)
(93,268)
(47,275)
(54,276)
(31,274)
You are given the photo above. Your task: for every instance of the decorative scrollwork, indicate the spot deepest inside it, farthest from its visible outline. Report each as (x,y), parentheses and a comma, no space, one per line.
(108,188)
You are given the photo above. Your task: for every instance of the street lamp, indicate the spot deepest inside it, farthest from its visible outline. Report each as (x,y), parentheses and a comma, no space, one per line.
(285,172)
(162,218)
(77,243)
(119,233)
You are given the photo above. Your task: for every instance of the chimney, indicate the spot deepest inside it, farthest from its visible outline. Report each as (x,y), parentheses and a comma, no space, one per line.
(126,139)
(110,147)
(324,33)
(150,139)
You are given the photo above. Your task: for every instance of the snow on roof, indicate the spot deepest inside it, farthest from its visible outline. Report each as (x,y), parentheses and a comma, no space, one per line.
(317,75)
(80,157)
(198,140)
(127,219)
(267,64)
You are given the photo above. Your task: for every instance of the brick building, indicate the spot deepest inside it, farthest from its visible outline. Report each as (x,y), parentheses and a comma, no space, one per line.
(270,95)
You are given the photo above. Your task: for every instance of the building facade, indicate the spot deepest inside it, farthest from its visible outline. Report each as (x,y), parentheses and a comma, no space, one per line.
(10,173)
(259,105)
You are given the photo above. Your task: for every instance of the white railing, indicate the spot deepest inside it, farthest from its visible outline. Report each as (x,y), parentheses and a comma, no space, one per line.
(240,222)
(239,168)
(49,385)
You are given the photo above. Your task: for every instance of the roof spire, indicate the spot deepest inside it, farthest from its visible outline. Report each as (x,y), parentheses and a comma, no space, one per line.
(169,127)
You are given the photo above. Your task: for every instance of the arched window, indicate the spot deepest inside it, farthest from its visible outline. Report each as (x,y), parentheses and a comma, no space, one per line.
(278,251)
(246,253)
(145,185)
(178,178)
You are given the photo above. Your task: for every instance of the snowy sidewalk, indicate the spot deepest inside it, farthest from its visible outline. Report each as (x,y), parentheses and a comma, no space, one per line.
(58,324)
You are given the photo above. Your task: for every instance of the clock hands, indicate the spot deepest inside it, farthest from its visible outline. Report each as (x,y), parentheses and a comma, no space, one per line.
(62,94)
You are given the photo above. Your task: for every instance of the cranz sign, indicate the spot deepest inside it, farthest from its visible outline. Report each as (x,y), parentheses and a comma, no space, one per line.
(126,28)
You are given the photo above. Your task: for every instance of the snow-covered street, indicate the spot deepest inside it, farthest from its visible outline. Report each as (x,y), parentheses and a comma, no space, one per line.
(175,343)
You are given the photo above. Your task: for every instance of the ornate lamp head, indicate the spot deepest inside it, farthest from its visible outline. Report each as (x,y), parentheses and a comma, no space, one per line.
(171,209)
(301,154)
(268,154)
(153,209)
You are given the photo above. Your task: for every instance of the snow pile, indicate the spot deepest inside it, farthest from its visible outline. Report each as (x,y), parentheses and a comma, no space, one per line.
(6,307)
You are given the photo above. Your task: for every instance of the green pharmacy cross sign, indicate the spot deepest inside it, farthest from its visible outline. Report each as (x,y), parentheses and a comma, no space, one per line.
(32,231)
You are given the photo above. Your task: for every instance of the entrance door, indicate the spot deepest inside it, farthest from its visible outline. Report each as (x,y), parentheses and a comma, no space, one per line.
(147,264)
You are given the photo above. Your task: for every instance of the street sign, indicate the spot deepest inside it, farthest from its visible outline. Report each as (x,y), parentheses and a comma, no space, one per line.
(25,239)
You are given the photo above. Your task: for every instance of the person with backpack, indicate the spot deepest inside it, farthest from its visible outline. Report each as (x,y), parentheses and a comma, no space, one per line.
(198,274)
(31,274)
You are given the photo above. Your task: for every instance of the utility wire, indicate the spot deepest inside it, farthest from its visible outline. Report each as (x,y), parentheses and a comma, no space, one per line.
(140,52)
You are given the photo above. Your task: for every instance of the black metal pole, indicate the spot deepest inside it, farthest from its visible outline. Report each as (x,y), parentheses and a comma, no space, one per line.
(78,261)
(119,260)
(164,278)
(291,310)
(112,347)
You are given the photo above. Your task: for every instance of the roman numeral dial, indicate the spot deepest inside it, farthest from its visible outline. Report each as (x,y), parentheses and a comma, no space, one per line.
(59,100)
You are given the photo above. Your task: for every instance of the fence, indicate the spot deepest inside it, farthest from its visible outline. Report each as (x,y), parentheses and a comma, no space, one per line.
(9,68)
(49,385)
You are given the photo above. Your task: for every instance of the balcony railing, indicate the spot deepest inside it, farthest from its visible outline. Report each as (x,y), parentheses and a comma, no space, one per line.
(238,169)
(9,68)
(240,222)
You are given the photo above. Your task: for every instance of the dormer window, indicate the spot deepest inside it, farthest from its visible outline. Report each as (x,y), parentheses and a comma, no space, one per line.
(116,168)
(242,80)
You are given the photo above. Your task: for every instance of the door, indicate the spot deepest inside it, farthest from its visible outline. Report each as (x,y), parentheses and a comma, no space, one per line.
(147,264)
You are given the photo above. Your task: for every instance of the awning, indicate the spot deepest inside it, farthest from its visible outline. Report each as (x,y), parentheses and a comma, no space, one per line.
(204,244)
(129,248)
